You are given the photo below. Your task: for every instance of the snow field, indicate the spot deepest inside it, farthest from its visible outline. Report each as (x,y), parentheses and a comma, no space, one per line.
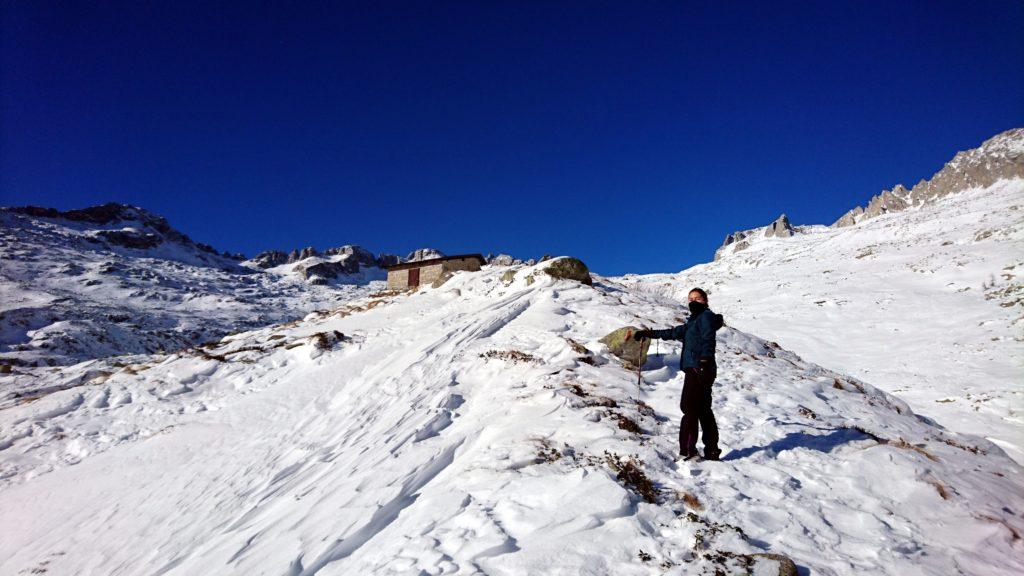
(924,303)
(481,428)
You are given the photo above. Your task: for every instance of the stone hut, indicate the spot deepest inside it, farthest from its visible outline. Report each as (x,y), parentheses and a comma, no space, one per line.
(412,274)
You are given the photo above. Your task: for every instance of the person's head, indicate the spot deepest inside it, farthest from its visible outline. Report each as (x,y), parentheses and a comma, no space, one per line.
(698,295)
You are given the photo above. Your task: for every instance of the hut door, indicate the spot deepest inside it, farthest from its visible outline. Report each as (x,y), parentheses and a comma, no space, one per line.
(414,277)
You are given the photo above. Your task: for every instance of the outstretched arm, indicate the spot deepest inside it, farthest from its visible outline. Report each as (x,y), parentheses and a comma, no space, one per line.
(674,333)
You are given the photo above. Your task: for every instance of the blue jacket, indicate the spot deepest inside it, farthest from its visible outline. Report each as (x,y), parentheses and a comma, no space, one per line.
(697,336)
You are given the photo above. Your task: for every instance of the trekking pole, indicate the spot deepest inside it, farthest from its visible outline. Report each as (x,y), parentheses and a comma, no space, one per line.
(639,374)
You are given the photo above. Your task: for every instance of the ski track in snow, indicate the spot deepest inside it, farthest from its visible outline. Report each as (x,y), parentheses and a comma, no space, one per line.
(402,449)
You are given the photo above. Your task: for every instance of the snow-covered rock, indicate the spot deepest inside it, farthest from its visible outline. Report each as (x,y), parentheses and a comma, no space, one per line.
(483,428)
(424,254)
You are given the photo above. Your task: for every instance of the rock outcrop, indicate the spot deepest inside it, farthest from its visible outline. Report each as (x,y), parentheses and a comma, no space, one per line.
(358,255)
(128,238)
(322,272)
(385,260)
(503,260)
(740,240)
(270,259)
(998,158)
(424,254)
(780,228)
(569,268)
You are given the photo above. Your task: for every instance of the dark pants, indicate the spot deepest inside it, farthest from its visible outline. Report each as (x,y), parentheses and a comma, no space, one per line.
(696,406)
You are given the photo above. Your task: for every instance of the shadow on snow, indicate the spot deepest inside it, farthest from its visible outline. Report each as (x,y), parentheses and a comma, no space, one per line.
(820,442)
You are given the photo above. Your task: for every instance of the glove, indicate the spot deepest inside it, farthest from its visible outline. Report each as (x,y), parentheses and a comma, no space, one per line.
(642,334)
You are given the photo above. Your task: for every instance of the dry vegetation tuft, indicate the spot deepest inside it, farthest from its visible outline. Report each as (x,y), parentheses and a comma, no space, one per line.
(514,356)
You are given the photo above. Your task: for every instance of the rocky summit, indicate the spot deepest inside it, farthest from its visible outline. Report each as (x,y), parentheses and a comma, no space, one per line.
(998,158)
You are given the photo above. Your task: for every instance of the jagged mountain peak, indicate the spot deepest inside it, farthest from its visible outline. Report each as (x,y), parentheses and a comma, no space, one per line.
(351,253)
(998,158)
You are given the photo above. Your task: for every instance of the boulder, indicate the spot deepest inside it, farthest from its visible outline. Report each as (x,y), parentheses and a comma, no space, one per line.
(569,268)
(773,564)
(508,276)
(621,344)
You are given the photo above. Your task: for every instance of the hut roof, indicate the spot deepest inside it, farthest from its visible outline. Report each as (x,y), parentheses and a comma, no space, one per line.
(430,261)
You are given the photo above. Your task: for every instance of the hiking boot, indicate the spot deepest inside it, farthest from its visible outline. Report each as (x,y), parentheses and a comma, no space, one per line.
(714,455)
(695,457)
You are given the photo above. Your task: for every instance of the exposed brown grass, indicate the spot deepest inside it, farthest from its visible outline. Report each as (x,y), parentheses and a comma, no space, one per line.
(964,447)
(514,356)
(690,500)
(626,423)
(940,488)
(629,471)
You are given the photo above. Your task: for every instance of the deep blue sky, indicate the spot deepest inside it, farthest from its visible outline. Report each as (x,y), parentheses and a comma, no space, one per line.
(634,136)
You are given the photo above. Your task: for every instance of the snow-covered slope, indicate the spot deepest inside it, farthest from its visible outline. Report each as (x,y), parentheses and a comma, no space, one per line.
(926,302)
(481,427)
(116,279)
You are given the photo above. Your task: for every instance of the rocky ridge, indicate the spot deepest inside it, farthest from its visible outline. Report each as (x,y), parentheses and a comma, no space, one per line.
(998,158)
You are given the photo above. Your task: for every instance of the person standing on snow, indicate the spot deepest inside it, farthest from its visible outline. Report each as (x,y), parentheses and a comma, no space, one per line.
(697,361)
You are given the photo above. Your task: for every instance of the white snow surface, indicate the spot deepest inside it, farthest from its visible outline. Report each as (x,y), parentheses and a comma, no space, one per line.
(458,430)
(925,303)
(65,298)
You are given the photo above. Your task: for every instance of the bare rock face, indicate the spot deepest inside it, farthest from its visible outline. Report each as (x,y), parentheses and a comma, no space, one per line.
(424,254)
(270,259)
(731,239)
(888,201)
(385,260)
(741,240)
(998,158)
(308,252)
(850,218)
(321,272)
(356,253)
(780,228)
(129,239)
